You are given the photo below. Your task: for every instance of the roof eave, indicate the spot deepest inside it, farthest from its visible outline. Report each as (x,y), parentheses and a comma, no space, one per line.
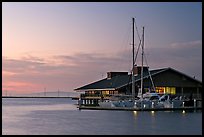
(80,90)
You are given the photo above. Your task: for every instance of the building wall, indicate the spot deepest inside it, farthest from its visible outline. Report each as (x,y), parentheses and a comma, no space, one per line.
(184,85)
(168,79)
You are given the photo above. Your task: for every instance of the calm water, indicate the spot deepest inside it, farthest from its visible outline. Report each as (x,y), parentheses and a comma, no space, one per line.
(59,116)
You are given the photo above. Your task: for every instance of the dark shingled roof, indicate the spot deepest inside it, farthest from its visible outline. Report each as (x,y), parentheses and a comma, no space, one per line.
(123,80)
(116,82)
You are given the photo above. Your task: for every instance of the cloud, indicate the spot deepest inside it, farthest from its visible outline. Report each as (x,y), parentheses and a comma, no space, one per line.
(93,61)
(188,45)
(19,65)
(184,56)
(67,72)
(27,86)
(191,49)
(59,71)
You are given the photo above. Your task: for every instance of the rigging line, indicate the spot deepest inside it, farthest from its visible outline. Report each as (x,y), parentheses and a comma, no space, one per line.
(126,40)
(123,48)
(137,52)
(139,43)
(137,31)
(150,74)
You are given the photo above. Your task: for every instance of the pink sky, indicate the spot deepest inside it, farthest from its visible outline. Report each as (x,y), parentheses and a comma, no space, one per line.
(67,45)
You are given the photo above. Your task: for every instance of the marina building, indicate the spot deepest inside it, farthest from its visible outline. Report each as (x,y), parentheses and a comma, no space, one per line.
(163,81)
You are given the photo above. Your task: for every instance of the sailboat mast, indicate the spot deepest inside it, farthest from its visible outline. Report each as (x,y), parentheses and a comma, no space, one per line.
(142,64)
(133,44)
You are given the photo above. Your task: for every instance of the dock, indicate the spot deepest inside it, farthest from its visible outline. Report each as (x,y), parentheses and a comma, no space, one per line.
(137,109)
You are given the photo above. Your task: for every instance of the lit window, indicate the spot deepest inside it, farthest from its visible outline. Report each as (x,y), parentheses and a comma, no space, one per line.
(160,90)
(170,90)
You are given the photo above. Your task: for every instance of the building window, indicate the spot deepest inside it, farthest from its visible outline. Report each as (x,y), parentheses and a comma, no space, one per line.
(107,92)
(166,90)
(111,92)
(170,90)
(160,90)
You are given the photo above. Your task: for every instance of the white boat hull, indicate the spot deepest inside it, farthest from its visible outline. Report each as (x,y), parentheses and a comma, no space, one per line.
(125,103)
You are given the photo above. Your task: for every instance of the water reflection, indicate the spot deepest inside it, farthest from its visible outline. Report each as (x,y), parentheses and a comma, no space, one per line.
(135,113)
(183,112)
(152,112)
(61,117)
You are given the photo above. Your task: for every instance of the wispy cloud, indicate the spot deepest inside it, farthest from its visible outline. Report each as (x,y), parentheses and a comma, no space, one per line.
(71,71)
(188,45)
(58,71)
(184,56)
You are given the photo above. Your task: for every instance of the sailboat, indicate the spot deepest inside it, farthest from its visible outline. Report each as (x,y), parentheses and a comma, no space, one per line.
(132,101)
(144,100)
(129,102)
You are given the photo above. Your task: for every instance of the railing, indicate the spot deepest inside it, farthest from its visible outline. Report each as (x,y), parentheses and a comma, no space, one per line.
(95,95)
(90,95)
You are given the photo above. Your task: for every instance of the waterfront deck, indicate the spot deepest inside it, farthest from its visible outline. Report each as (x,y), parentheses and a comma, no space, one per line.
(137,109)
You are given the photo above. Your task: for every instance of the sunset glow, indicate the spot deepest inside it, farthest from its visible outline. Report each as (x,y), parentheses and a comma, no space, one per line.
(67,45)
